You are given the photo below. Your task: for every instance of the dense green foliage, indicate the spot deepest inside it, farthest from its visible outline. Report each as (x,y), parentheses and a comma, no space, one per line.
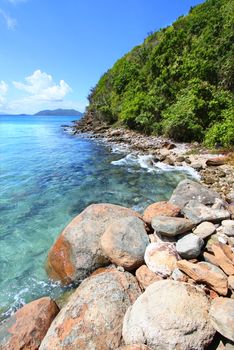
(179,82)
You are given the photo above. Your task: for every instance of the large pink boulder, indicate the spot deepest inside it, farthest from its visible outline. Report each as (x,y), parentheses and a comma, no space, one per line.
(26,329)
(93,317)
(77,251)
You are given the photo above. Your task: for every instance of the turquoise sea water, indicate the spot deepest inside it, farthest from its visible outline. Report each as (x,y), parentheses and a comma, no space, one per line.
(46,178)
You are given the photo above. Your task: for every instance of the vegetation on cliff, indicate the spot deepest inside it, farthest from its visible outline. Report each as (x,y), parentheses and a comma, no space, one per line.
(178,83)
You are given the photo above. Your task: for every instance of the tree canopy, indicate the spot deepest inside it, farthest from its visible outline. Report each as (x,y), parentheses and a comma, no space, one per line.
(178,82)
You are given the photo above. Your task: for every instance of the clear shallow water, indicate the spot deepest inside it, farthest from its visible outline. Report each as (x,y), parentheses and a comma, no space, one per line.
(46,178)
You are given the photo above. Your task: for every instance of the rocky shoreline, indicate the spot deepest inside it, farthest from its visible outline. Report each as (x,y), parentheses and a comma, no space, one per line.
(163,280)
(216,171)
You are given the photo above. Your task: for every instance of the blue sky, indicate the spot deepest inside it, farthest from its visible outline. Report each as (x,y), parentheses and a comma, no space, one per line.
(54,51)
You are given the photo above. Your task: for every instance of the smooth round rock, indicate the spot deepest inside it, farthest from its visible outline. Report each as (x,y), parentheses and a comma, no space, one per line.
(161,258)
(77,252)
(124,242)
(189,246)
(169,315)
(205,229)
(93,317)
(170,226)
(222,316)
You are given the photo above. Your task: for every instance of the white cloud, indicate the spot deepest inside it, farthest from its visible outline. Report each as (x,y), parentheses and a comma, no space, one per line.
(10,22)
(3,92)
(42,87)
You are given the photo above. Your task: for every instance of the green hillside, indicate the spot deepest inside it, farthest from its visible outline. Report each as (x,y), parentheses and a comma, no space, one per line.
(178,83)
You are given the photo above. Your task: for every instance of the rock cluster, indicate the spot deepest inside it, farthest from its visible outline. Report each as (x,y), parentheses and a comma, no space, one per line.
(161,281)
(214,170)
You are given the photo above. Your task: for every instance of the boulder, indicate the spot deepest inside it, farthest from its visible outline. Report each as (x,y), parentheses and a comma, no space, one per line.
(189,246)
(169,315)
(216,161)
(76,253)
(145,277)
(205,229)
(197,212)
(124,242)
(169,226)
(160,209)
(222,316)
(28,326)
(93,317)
(228,226)
(161,258)
(203,274)
(188,189)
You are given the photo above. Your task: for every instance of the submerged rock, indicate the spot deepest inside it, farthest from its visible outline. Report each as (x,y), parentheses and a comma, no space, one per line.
(124,242)
(28,326)
(77,252)
(93,317)
(169,315)
(222,316)
(188,189)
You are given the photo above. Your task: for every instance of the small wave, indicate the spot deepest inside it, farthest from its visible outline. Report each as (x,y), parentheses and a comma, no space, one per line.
(149,163)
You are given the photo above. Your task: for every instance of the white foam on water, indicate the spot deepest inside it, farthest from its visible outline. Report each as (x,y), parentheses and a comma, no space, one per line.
(148,163)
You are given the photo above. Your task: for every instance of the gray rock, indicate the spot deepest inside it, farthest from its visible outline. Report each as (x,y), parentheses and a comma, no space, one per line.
(188,189)
(197,212)
(197,166)
(205,229)
(169,315)
(228,227)
(93,317)
(124,242)
(170,226)
(222,316)
(189,246)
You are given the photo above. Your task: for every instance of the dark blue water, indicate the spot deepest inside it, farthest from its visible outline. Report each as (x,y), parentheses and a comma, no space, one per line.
(46,178)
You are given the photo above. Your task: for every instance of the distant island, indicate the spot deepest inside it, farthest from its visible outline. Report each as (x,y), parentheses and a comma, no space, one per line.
(58,112)
(48,112)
